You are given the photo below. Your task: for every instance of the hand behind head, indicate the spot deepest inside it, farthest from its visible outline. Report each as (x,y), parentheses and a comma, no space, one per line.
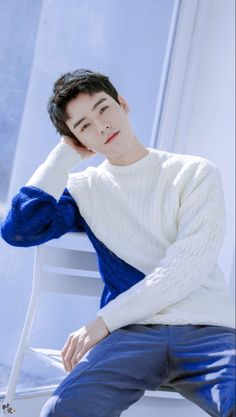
(78,147)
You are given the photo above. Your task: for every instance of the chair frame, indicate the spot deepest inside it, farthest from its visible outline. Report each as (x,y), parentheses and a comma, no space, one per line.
(76,272)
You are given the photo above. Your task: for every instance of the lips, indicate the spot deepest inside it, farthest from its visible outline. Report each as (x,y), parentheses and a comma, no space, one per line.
(111,136)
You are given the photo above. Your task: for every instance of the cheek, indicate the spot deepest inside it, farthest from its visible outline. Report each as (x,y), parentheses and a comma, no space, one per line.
(124,122)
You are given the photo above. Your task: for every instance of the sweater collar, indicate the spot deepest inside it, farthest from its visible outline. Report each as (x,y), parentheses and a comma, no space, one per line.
(145,162)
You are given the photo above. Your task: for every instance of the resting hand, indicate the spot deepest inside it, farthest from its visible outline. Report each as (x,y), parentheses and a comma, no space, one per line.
(80,341)
(84,152)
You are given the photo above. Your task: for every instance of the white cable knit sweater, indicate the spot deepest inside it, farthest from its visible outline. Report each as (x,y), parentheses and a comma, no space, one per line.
(163,214)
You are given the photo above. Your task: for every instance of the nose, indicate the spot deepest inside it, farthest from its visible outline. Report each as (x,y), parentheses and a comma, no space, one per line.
(101,128)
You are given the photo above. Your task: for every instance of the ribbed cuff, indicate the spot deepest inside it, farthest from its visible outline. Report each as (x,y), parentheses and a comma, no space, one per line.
(115,318)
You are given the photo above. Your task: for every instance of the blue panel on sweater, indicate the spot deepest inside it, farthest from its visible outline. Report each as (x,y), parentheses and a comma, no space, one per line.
(36,217)
(117,275)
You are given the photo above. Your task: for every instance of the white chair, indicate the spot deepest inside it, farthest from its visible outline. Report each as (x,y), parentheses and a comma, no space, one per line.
(65,265)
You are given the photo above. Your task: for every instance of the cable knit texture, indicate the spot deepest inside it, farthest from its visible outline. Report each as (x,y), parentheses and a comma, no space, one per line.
(161,217)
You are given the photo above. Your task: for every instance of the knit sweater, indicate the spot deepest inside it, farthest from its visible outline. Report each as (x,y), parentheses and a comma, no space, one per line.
(157,226)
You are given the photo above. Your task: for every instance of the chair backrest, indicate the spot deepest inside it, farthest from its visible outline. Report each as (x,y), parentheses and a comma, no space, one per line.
(68,265)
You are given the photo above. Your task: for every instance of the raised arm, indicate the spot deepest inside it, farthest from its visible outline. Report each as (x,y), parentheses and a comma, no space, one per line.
(44,209)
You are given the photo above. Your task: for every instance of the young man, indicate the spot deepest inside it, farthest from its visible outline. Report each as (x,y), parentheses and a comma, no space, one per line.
(157,221)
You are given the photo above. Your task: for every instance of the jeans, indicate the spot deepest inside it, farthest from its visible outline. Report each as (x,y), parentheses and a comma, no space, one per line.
(198,361)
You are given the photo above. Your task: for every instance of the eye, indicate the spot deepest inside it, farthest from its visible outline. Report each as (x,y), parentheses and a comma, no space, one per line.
(84,127)
(106,107)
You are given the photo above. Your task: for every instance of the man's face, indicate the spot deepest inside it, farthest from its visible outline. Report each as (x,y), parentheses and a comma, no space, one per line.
(101,116)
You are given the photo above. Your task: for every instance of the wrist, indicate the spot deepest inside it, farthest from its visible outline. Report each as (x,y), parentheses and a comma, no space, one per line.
(100,320)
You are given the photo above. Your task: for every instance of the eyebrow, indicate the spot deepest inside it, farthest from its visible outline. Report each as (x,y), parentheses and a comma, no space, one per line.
(93,108)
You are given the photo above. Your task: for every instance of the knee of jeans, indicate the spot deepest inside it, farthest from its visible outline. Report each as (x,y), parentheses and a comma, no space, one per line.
(49,407)
(66,403)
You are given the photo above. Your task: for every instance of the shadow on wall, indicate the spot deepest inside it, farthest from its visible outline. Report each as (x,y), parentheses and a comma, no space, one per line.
(18,34)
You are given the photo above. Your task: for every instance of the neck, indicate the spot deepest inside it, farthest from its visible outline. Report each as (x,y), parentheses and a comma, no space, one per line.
(131,154)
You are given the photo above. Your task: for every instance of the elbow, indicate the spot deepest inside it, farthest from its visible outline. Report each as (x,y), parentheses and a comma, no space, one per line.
(15,237)
(11,237)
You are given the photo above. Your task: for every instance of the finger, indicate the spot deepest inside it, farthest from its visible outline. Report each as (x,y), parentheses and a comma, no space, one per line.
(65,365)
(67,351)
(81,354)
(77,353)
(67,361)
(85,348)
(66,345)
(69,354)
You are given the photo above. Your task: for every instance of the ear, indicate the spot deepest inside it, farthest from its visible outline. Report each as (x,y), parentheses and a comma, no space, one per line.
(123,103)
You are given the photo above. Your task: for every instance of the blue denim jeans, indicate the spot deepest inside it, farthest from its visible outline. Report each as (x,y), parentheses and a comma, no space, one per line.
(198,361)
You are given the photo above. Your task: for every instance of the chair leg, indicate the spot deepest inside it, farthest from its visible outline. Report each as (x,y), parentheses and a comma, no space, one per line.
(33,304)
(11,387)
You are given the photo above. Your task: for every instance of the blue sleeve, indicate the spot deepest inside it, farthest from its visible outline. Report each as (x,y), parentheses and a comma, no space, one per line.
(36,217)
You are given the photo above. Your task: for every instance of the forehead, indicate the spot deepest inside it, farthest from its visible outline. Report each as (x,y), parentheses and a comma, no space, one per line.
(83,103)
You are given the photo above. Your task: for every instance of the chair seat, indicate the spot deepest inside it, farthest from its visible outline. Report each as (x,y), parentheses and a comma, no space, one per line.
(51,357)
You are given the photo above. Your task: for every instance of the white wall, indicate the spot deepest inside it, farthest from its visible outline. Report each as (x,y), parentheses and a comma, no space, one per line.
(87,34)
(203,122)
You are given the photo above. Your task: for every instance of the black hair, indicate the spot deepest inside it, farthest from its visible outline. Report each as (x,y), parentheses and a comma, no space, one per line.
(68,87)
